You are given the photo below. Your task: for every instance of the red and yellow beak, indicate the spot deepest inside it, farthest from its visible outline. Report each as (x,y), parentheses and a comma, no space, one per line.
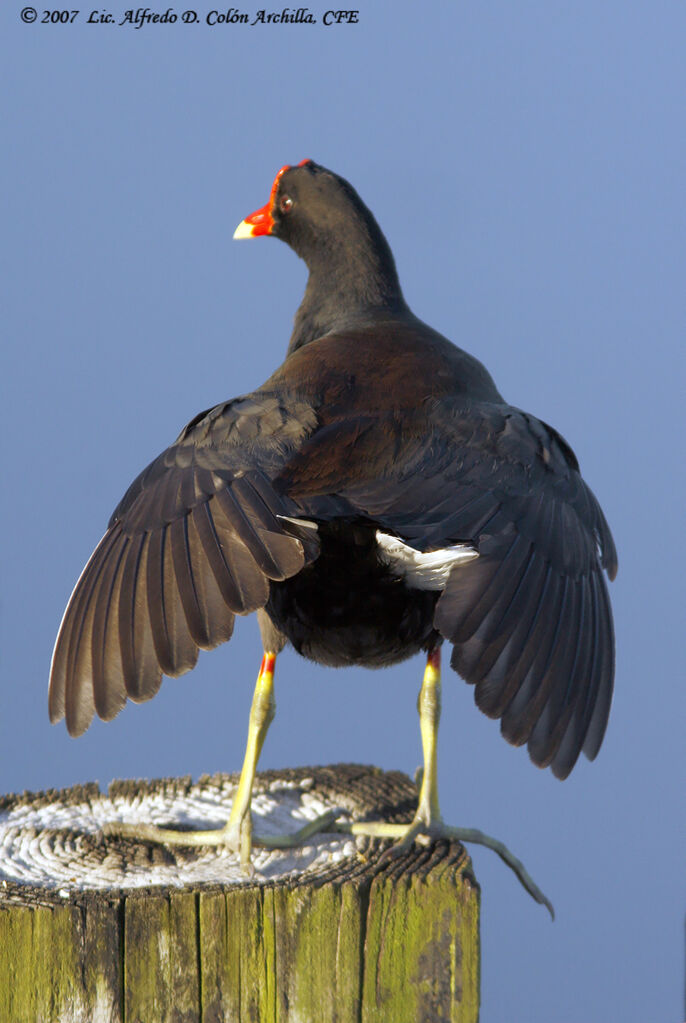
(261,221)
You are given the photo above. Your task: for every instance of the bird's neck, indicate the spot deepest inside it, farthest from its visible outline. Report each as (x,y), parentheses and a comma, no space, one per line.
(347,287)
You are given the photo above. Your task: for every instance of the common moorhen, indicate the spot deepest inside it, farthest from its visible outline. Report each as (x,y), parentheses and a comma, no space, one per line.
(375,497)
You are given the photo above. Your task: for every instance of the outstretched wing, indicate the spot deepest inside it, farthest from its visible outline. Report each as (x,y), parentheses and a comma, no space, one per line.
(195,541)
(529,619)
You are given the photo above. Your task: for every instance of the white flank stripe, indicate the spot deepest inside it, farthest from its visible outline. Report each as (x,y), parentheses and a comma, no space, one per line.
(303,523)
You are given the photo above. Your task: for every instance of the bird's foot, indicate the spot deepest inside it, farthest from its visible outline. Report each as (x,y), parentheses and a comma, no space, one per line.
(236,836)
(427,828)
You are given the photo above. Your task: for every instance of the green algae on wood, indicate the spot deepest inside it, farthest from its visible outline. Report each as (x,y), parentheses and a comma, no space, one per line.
(369,938)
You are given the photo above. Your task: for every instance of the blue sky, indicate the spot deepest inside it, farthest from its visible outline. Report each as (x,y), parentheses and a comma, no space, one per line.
(526,162)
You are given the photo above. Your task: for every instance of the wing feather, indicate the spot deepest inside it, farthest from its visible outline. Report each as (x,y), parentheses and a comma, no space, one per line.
(184,650)
(529,619)
(525,707)
(80,704)
(552,721)
(158,609)
(142,673)
(62,700)
(597,715)
(566,737)
(196,539)
(216,618)
(186,582)
(251,586)
(109,688)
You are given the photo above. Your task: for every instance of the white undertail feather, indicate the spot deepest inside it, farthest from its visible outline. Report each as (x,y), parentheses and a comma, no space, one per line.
(424,570)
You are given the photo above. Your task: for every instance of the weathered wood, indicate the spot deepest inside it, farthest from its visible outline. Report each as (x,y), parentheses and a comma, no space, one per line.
(355,937)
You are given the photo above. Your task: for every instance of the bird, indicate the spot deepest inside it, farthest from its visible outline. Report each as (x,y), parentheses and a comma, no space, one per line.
(374,499)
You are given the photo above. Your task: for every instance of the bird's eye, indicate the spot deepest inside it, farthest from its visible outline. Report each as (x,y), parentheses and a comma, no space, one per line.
(285,204)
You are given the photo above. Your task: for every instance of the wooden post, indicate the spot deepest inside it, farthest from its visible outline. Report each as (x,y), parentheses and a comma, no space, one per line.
(111,931)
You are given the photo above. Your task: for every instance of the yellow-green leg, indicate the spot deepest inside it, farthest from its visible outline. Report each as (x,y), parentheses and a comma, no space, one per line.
(427,824)
(238,828)
(237,832)
(428,813)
